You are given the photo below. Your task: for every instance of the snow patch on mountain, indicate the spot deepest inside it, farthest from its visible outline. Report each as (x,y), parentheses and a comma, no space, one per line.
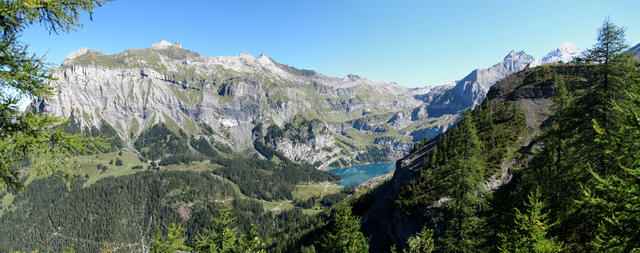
(563,53)
(165,44)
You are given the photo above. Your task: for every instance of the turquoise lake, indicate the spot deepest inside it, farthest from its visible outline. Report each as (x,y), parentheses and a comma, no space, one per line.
(357,174)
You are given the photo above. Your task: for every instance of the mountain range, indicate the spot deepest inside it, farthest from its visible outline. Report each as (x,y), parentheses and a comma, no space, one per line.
(244,103)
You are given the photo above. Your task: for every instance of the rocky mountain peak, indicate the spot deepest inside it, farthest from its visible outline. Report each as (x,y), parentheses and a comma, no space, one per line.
(246,55)
(517,56)
(353,77)
(79,52)
(165,44)
(563,53)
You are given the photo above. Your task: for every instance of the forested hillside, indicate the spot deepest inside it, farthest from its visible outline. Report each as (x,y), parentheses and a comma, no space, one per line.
(569,175)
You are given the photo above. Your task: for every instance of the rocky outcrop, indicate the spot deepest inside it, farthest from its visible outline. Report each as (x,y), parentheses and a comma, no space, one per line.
(472,89)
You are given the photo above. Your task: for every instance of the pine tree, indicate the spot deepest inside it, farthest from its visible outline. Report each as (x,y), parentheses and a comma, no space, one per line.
(468,195)
(610,43)
(422,242)
(615,199)
(252,241)
(344,233)
(530,232)
(224,237)
(607,89)
(587,137)
(172,242)
(27,135)
(616,202)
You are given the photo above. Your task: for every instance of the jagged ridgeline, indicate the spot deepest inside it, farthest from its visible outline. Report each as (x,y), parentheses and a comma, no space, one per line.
(223,99)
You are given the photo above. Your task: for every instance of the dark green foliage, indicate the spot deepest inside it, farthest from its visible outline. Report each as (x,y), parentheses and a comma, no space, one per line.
(374,153)
(105,131)
(137,167)
(530,229)
(223,148)
(101,167)
(118,162)
(615,201)
(274,132)
(125,210)
(23,75)
(203,146)
(267,180)
(421,242)
(418,145)
(260,146)
(344,233)
(267,151)
(118,210)
(332,199)
(158,141)
(468,194)
(306,204)
(207,128)
(610,44)
(184,158)
(172,242)
(222,236)
(586,140)
(500,125)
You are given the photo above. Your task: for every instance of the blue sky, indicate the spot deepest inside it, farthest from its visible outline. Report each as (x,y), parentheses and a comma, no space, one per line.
(414,43)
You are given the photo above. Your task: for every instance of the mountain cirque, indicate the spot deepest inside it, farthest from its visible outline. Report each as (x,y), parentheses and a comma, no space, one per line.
(306,116)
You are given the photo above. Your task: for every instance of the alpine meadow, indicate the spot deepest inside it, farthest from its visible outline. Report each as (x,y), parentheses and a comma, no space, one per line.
(114,139)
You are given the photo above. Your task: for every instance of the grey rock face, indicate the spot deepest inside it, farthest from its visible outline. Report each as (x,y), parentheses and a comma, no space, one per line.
(138,88)
(635,51)
(472,89)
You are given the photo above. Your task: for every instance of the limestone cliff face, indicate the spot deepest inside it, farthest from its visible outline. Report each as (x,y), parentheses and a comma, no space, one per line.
(363,121)
(230,95)
(138,88)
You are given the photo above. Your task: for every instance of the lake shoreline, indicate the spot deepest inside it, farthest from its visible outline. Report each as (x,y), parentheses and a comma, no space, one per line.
(358,174)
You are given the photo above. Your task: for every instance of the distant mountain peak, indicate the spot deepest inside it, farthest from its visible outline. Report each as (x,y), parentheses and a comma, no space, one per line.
(563,53)
(568,45)
(513,54)
(79,52)
(245,55)
(165,44)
